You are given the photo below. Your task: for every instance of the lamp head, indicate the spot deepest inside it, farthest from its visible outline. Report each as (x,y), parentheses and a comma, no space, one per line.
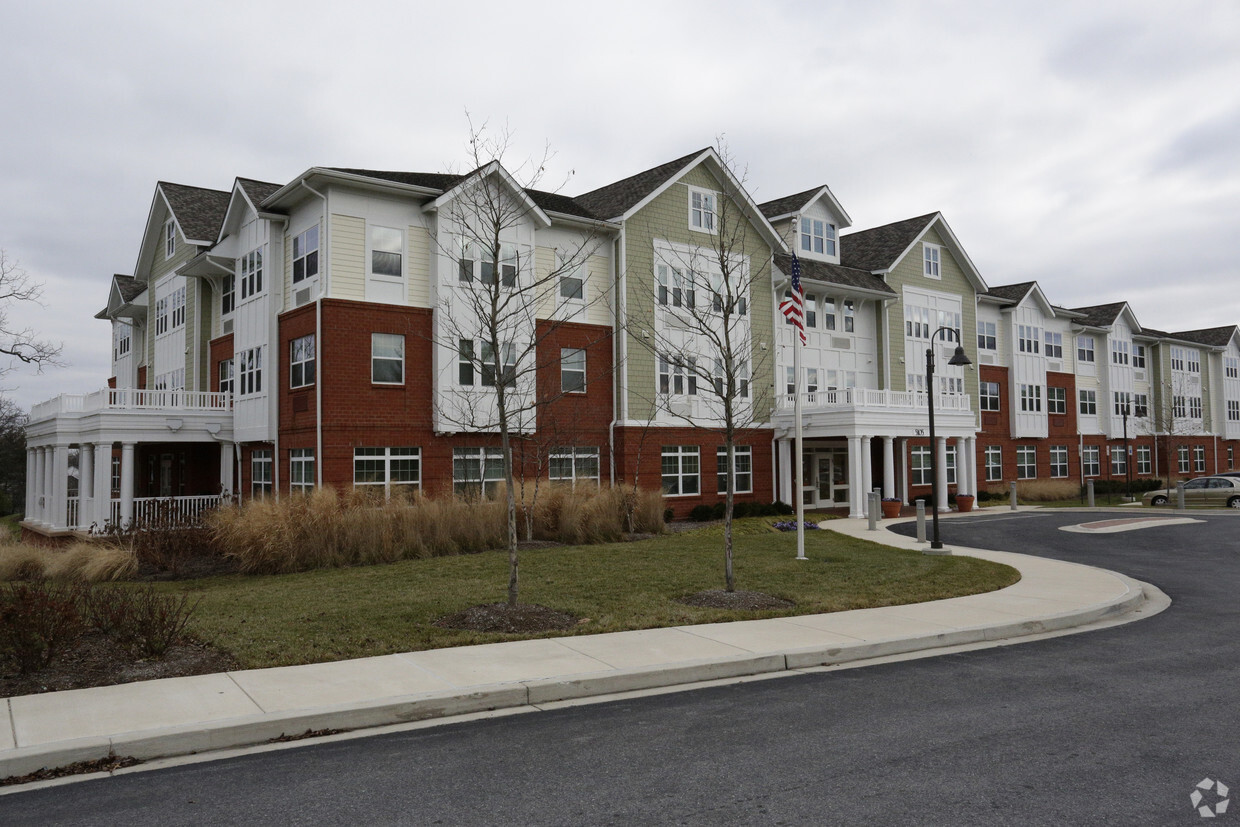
(958,358)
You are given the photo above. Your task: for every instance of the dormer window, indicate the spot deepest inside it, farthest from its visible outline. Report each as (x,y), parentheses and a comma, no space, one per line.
(930,260)
(702,206)
(170,239)
(817,236)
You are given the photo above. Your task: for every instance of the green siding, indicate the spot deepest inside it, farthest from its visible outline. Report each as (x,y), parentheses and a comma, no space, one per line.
(155,266)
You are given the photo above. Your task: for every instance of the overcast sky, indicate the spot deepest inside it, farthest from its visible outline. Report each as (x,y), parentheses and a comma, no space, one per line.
(1094,147)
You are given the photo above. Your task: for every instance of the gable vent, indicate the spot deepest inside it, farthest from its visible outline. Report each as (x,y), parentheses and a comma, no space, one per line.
(1055,366)
(841,343)
(987,359)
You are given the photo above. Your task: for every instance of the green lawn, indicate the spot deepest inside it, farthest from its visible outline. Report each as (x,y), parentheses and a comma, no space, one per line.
(11,525)
(356,612)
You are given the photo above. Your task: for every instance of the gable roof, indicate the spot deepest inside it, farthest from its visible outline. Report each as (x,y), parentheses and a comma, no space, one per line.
(879,248)
(1010,293)
(257,191)
(1210,336)
(835,274)
(1100,315)
(198,212)
(128,287)
(614,200)
(790,205)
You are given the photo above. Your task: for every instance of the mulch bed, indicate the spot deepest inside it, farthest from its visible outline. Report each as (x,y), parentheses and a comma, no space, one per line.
(745,601)
(500,617)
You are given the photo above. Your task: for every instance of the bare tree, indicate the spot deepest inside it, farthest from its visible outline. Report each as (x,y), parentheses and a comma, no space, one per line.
(503,306)
(21,344)
(1174,420)
(701,315)
(12,457)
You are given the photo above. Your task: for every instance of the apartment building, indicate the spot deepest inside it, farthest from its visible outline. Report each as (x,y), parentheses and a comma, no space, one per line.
(358,327)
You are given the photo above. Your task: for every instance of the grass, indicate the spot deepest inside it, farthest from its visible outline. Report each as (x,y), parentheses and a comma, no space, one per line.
(10,528)
(334,614)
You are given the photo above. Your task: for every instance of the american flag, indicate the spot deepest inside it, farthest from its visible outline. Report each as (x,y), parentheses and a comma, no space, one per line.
(794,308)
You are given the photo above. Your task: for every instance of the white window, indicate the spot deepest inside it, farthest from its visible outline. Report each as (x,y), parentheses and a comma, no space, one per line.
(226,376)
(1054,345)
(572,283)
(260,472)
(573,465)
(120,339)
(1123,403)
(1145,464)
(811,310)
(477,471)
(987,338)
(1233,410)
(306,255)
(681,466)
(478,264)
(1031,398)
(930,260)
(1183,459)
(1199,459)
(301,470)
(1089,402)
(250,371)
(178,308)
(301,362)
(828,313)
(672,287)
(1138,356)
(1194,407)
(228,294)
(1119,352)
(1140,405)
(251,272)
(743,477)
(386,256)
(476,363)
(850,313)
(919,465)
(1231,367)
(994,463)
(702,210)
(990,396)
(1028,338)
(817,236)
(1059,461)
(949,457)
(173,380)
(1119,461)
(1177,358)
(917,322)
(572,370)
(387,358)
(170,239)
(161,316)
(395,469)
(1179,407)
(1091,463)
(1085,348)
(1057,400)
(1026,462)
(678,375)
(1193,360)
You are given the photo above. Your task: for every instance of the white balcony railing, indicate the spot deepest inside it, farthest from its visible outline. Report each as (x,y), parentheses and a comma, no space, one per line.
(872,399)
(130,399)
(148,510)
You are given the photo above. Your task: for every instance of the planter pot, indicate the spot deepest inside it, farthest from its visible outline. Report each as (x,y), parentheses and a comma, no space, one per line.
(891,510)
(964,502)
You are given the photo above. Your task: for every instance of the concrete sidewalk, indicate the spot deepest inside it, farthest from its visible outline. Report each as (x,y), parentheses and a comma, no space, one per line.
(179,716)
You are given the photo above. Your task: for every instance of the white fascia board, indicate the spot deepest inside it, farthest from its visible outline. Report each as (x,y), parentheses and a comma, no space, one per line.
(239,201)
(1041,300)
(953,243)
(823,192)
(1132,318)
(156,199)
(493,168)
(335,176)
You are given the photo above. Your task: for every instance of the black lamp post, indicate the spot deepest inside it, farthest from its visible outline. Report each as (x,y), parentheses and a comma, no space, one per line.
(958,358)
(1125,411)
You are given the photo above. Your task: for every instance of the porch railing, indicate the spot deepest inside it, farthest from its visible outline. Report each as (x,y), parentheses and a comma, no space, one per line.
(872,398)
(130,399)
(149,511)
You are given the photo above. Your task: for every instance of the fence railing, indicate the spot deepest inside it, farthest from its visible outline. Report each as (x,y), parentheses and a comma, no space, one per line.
(871,398)
(130,399)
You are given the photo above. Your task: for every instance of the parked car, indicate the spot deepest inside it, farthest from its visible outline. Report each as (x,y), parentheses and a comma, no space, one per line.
(1216,490)
(1228,474)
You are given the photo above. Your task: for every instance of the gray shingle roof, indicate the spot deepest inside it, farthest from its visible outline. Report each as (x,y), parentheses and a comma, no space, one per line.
(614,200)
(834,274)
(128,286)
(788,204)
(198,211)
(878,248)
(1100,315)
(1012,293)
(1210,336)
(258,191)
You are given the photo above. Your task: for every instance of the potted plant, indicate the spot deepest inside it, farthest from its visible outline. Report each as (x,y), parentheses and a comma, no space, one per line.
(891,507)
(964,502)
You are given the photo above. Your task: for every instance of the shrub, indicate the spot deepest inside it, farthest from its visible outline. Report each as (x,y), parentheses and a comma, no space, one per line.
(701,513)
(37,620)
(152,621)
(1114,486)
(782,508)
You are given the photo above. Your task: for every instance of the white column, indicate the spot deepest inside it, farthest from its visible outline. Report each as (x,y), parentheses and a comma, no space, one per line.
(126,483)
(855,497)
(785,472)
(226,467)
(32,465)
(60,487)
(904,471)
(40,481)
(962,466)
(86,483)
(102,511)
(889,468)
(972,443)
(940,469)
(867,475)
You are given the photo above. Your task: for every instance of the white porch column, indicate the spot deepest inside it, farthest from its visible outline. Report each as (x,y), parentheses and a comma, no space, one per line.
(226,467)
(904,471)
(86,483)
(972,443)
(889,468)
(855,496)
(126,483)
(60,487)
(40,482)
(867,474)
(32,464)
(962,466)
(785,472)
(101,512)
(940,471)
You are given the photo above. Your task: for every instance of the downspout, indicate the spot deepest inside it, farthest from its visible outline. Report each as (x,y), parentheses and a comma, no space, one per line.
(274,410)
(318,338)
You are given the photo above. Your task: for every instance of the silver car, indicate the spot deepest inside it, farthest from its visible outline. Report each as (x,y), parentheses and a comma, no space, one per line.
(1209,491)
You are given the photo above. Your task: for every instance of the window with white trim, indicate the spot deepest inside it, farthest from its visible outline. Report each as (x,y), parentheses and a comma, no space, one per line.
(673,288)
(850,314)
(994,463)
(1192,359)
(828,313)
(1199,459)
(743,476)
(678,375)
(477,471)
(1088,402)
(1179,407)
(574,465)
(1123,402)
(1026,462)
(1054,345)
(987,338)
(949,464)
(989,396)
(306,254)
(1119,352)
(170,239)
(226,376)
(1231,457)
(228,294)
(1119,461)
(1194,407)
(387,259)
(1028,338)
(250,371)
(1056,400)
(1231,367)
(173,380)
(395,469)
(919,465)
(387,358)
(260,472)
(1084,348)
(1059,461)
(178,309)
(742,380)
(572,370)
(1140,405)
(1031,398)
(161,316)
(301,361)
(250,272)
(1145,461)
(811,310)
(1091,461)
(1138,356)
(702,206)
(301,470)
(681,467)
(120,339)
(1177,358)
(572,283)
(1233,410)
(817,236)
(930,254)
(1182,458)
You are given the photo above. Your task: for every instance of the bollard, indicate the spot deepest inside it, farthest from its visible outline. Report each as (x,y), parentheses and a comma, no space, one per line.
(921,521)
(1179,495)
(872,501)
(1089,492)
(1013,496)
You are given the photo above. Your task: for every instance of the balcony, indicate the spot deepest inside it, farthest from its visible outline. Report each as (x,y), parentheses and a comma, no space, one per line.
(130,399)
(872,412)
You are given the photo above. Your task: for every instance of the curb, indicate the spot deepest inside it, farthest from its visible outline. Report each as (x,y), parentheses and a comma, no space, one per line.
(261,728)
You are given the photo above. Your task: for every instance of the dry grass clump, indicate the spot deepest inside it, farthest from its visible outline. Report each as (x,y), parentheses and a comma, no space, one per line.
(1046,491)
(83,562)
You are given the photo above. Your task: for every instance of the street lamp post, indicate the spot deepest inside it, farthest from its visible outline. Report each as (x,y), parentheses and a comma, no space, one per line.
(958,358)
(1125,410)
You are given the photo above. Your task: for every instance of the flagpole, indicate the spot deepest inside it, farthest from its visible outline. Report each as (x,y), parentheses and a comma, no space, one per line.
(799,461)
